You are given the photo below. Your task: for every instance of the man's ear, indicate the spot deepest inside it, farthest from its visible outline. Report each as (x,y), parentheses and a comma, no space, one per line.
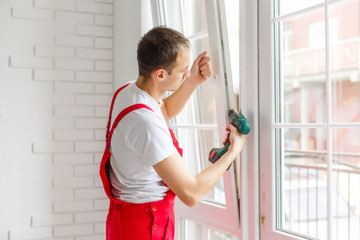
(159,74)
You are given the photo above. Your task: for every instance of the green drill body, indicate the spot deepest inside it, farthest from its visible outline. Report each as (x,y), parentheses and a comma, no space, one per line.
(241,124)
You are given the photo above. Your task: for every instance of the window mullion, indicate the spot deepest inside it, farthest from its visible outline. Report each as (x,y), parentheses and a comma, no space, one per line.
(329,115)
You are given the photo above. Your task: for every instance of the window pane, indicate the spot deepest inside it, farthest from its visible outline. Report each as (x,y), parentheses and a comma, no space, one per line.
(232,22)
(193,230)
(288,6)
(345,46)
(207,139)
(204,104)
(173,15)
(302,185)
(194,16)
(300,72)
(190,155)
(204,96)
(346,182)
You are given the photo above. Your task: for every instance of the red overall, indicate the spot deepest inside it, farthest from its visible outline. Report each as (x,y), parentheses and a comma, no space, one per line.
(132,221)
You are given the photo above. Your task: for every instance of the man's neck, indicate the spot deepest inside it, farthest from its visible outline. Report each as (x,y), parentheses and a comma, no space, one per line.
(148,86)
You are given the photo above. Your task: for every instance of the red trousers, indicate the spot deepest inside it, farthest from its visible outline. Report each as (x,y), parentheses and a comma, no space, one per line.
(154,220)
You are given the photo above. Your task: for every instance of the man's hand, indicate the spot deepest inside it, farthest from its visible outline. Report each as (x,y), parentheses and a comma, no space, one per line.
(200,69)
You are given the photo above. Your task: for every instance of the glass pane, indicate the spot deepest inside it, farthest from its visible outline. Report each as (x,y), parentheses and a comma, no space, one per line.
(207,139)
(186,138)
(204,104)
(301,68)
(345,47)
(192,230)
(302,184)
(204,96)
(346,183)
(288,6)
(232,22)
(173,15)
(194,16)
(198,46)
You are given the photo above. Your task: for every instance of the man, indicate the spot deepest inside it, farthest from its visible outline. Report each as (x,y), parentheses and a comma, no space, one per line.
(142,167)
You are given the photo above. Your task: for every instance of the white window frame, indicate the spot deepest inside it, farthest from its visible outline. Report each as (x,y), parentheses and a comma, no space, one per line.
(225,219)
(268,125)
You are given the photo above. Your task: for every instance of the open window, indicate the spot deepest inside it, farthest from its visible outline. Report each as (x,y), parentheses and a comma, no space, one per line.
(201,125)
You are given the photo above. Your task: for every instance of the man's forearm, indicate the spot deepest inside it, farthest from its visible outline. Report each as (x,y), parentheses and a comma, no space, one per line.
(174,103)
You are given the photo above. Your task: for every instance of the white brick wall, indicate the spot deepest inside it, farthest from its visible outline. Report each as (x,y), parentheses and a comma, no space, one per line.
(62,49)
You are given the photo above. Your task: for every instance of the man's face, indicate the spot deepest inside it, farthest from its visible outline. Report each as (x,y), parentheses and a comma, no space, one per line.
(180,71)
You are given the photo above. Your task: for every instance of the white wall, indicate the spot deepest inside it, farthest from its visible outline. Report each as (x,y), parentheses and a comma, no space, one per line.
(56,82)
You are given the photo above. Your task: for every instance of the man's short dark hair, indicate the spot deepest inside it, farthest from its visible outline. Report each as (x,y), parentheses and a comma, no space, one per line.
(159,48)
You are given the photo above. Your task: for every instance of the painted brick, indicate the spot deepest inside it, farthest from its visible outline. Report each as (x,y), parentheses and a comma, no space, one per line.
(104,65)
(94,100)
(98,157)
(96,146)
(96,31)
(86,6)
(95,76)
(63,99)
(50,220)
(49,147)
(32,14)
(76,41)
(73,182)
(104,43)
(63,87)
(53,75)
(105,1)
(76,64)
(54,51)
(73,230)
(55,4)
(73,135)
(91,217)
(104,20)
(73,206)
(102,204)
(73,158)
(74,111)
(98,182)
(100,227)
(60,28)
(86,170)
(74,17)
(62,195)
(104,88)
(63,122)
(91,193)
(30,62)
(91,123)
(100,134)
(92,237)
(94,53)
(102,111)
(63,171)
(31,233)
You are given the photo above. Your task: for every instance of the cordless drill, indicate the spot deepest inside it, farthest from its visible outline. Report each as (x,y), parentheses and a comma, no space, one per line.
(242,125)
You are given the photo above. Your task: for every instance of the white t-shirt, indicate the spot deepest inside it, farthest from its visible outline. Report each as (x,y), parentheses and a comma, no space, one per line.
(140,140)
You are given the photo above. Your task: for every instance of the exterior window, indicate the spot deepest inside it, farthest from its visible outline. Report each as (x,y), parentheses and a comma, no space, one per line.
(313,128)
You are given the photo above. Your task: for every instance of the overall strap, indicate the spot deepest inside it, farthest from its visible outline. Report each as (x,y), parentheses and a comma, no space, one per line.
(112,106)
(122,114)
(104,165)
